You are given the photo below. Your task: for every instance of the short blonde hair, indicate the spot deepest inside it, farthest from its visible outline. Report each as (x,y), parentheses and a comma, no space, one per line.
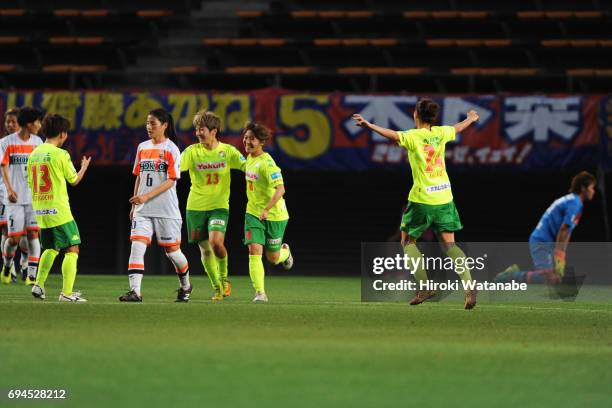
(208,119)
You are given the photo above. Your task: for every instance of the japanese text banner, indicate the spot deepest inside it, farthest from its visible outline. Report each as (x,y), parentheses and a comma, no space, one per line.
(315,131)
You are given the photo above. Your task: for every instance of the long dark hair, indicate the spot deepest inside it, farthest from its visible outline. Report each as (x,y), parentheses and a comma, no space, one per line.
(165,117)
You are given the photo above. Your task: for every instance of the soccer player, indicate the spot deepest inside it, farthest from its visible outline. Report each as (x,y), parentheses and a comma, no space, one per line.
(11,126)
(548,241)
(14,152)
(49,167)
(266,213)
(430,202)
(155,208)
(209,163)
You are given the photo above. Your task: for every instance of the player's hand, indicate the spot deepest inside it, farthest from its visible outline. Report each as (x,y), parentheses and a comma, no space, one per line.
(360,121)
(559,262)
(85,162)
(139,199)
(473,116)
(12,196)
(264,215)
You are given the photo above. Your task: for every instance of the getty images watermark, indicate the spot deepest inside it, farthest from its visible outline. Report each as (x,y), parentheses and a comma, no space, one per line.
(462,265)
(499,271)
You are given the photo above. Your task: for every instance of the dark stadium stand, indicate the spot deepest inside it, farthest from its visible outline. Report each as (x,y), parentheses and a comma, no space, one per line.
(453,46)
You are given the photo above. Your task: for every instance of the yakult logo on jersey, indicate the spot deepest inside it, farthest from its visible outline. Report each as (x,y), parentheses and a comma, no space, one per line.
(210,165)
(276,175)
(251,176)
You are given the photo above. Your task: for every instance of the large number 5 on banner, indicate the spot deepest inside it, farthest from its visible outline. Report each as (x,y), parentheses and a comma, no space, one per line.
(45,184)
(304,113)
(433,159)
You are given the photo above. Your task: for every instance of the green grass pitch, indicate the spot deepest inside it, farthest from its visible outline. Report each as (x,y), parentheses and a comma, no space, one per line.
(313,345)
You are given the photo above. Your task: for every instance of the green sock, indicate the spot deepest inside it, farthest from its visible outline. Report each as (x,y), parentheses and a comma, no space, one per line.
(256,270)
(222,264)
(212,270)
(284,254)
(69,270)
(44,267)
(455,253)
(412,251)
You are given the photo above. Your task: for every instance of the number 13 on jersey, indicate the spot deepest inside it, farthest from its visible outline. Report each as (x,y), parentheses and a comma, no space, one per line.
(212,178)
(44,184)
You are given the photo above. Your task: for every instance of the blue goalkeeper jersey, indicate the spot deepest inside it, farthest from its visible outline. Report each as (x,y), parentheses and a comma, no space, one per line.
(565,210)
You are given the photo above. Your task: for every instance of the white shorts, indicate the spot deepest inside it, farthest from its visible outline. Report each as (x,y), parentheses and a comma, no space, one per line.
(3,215)
(20,219)
(167,231)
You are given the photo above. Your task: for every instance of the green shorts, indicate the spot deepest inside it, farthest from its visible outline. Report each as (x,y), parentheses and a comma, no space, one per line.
(61,236)
(267,233)
(200,223)
(441,218)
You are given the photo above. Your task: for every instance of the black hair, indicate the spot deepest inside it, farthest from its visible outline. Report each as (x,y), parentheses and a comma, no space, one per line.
(261,132)
(582,179)
(165,117)
(27,114)
(427,110)
(53,125)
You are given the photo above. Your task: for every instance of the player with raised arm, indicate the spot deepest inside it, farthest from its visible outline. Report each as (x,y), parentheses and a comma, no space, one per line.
(209,163)
(266,213)
(49,167)
(14,152)
(155,208)
(430,202)
(548,241)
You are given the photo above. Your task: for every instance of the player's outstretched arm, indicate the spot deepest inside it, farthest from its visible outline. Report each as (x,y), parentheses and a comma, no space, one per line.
(278,194)
(143,198)
(84,165)
(472,116)
(388,133)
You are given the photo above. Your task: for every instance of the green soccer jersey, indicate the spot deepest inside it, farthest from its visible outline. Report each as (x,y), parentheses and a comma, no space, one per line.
(209,171)
(426,154)
(49,167)
(262,177)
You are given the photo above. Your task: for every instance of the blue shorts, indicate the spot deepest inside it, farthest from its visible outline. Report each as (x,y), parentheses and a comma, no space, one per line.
(542,254)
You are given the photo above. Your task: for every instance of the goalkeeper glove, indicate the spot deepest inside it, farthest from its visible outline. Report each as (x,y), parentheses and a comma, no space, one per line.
(559,262)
